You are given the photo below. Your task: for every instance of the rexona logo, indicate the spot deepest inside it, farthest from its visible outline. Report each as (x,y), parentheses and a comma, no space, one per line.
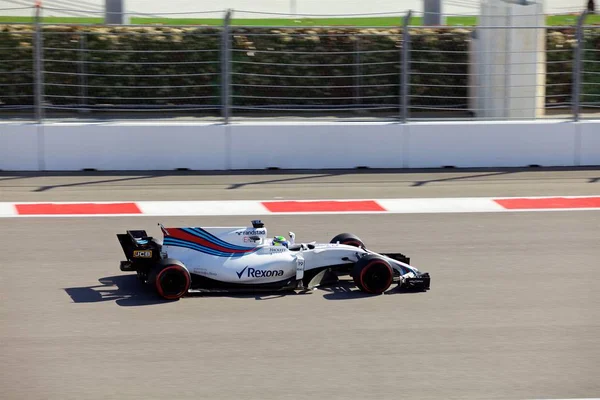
(259,273)
(252,232)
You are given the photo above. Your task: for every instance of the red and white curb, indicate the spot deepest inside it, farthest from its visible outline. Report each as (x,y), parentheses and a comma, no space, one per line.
(292,207)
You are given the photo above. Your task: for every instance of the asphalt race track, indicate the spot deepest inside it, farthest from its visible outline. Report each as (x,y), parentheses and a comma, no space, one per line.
(513,313)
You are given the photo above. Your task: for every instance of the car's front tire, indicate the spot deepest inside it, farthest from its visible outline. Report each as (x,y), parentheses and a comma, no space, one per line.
(170,279)
(372,274)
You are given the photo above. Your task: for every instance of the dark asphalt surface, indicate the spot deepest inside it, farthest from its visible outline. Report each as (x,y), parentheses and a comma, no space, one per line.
(265,185)
(513,313)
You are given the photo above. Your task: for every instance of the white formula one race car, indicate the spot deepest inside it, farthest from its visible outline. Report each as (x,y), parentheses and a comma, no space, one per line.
(234,259)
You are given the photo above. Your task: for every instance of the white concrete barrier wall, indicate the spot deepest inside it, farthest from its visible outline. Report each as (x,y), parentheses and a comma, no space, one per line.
(134,146)
(485,144)
(153,146)
(313,145)
(590,143)
(19,147)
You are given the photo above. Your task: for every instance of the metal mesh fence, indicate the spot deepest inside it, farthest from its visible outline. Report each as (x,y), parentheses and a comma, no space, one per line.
(439,67)
(230,70)
(148,70)
(17,71)
(560,44)
(299,70)
(590,70)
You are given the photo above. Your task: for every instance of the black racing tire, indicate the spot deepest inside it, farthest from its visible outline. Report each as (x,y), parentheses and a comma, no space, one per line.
(372,274)
(170,278)
(348,239)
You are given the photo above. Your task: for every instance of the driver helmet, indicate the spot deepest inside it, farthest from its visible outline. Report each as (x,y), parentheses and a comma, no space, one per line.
(280,241)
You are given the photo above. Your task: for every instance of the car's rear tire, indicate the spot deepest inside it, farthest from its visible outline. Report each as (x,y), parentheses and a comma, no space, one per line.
(348,239)
(372,274)
(170,279)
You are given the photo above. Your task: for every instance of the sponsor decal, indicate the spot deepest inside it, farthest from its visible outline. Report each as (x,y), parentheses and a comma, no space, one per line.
(203,271)
(277,249)
(258,273)
(252,232)
(142,253)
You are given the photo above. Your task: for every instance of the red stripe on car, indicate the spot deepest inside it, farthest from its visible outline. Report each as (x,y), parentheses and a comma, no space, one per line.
(180,234)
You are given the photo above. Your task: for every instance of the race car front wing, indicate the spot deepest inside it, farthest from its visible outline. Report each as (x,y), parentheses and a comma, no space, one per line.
(421,282)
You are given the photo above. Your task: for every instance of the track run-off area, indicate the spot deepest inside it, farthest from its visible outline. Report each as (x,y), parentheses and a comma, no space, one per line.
(513,311)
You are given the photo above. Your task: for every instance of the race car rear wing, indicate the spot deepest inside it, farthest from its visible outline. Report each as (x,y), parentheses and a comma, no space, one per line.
(139,249)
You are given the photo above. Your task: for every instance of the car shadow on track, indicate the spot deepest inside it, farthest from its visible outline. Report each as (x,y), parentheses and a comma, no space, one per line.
(346,290)
(127,291)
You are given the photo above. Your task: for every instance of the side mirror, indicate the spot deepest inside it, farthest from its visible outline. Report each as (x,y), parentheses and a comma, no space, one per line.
(292,237)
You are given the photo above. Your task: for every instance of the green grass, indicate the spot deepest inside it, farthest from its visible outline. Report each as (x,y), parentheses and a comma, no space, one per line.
(552,20)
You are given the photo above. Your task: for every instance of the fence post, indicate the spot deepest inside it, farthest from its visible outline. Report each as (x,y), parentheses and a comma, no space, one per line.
(357,82)
(113,12)
(405,62)
(432,14)
(225,68)
(508,103)
(576,91)
(293,7)
(38,65)
(82,71)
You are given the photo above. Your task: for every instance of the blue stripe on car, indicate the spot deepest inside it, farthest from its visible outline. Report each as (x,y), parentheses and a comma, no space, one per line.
(194,246)
(213,239)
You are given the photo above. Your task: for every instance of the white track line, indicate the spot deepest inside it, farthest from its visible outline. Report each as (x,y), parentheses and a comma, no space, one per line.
(441,205)
(257,208)
(199,208)
(7,210)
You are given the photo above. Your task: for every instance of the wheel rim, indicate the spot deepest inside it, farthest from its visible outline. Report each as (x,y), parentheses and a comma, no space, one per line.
(376,277)
(172,282)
